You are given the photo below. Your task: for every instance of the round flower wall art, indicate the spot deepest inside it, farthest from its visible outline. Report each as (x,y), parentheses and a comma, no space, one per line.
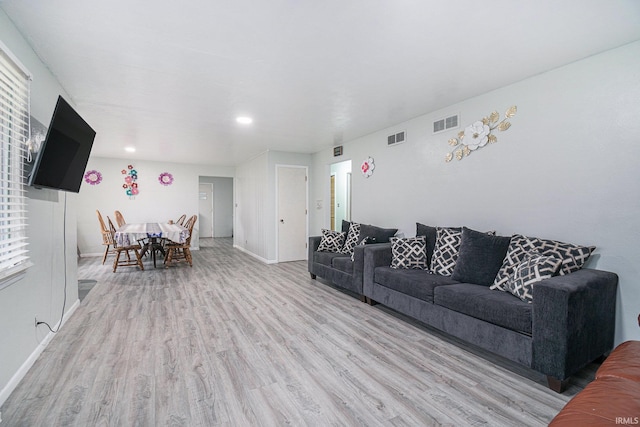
(93,177)
(165,178)
(367,167)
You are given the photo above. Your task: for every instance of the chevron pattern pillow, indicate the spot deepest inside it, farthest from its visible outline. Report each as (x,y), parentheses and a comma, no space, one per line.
(573,256)
(353,236)
(409,253)
(445,254)
(331,241)
(533,269)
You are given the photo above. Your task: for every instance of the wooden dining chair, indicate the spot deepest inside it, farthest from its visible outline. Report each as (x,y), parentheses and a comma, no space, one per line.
(180,221)
(107,238)
(129,261)
(119,219)
(176,252)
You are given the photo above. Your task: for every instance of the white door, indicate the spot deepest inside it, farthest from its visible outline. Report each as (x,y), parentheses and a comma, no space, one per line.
(205,210)
(292,213)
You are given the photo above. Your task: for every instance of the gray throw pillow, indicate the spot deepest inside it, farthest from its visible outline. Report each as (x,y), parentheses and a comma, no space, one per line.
(382,235)
(480,257)
(430,234)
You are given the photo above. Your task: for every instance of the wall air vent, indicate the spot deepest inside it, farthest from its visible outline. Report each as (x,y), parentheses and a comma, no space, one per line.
(446,123)
(396,138)
(337,151)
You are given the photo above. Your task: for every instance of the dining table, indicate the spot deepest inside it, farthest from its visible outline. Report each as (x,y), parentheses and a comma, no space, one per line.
(151,234)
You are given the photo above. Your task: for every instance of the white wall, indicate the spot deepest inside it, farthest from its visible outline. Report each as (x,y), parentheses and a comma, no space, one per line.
(52,223)
(155,202)
(566,170)
(222,205)
(255,197)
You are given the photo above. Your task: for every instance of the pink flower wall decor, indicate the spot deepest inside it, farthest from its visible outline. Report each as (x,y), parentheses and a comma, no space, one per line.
(165,178)
(93,177)
(367,167)
(130,185)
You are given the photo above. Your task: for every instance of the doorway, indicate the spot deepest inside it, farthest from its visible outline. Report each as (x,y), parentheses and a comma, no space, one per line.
(205,209)
(340,194)
(292,214)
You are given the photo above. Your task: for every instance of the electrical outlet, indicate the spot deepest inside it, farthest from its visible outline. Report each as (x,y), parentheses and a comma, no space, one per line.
(35,322)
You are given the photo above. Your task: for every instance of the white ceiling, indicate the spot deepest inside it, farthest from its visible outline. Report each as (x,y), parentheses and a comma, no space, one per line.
(170,77)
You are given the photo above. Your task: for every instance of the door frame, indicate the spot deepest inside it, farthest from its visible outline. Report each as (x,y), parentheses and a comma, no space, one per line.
(211,194)
(277,205)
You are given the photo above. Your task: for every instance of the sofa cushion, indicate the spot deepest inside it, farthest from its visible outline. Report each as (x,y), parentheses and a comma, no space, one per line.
(533,269)
(430,233)
(342,263)
(480,257)
(623,362)
(573,256)
(345,226)
(607,401)
(499,308)
(332,241)
(446,251)
(416,283)
(382,235)
(409,252)
(326,258)
(352,239)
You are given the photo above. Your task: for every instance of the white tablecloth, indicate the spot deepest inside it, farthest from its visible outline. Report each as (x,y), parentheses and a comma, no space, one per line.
(129,234)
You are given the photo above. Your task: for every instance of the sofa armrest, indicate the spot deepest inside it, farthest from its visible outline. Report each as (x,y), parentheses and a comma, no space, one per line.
(359,260)
(573,321)
(377,255)
(314,243)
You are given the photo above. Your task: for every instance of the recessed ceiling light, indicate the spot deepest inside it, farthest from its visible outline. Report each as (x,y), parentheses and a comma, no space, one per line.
(130,149)
(244,120)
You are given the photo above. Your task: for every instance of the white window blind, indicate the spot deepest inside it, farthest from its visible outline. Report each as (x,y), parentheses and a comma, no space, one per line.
(14,133)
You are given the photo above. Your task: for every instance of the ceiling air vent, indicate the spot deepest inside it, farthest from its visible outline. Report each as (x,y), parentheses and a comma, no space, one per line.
(396,138)
(446,123)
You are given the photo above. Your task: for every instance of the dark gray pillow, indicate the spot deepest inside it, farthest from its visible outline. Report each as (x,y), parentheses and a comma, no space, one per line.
(345,227)
(430,233)
(382,235)
(480,257)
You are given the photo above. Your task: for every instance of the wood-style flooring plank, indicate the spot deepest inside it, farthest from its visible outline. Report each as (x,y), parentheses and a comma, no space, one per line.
(232,341)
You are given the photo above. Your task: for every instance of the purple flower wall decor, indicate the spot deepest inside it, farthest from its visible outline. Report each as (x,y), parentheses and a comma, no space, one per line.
(165,178)
(93,177)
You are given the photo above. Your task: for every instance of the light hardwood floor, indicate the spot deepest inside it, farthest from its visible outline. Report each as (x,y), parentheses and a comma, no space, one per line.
(235,342)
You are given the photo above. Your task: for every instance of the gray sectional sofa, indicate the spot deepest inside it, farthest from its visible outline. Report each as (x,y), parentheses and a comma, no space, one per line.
(568,323)
(342,269)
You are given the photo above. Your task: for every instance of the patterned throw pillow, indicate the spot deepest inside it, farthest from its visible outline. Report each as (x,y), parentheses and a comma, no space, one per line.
(409,253)
(446,252)
(331,241)
(573,257)
(352,239)
(533,269)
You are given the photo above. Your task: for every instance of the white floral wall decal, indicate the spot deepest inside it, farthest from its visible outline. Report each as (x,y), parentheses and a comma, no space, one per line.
(479,133)
(367,167)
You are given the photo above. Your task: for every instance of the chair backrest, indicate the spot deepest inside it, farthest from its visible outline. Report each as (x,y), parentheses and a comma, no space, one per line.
(180,221)
(119,219)
(107,238)
(189,226)
(112,232)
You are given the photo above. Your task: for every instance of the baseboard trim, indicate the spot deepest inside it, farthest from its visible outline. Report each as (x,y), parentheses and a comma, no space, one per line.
(22,371)
(258,257)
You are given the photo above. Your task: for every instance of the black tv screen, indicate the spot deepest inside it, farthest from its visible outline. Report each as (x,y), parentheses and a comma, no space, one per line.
(64,154)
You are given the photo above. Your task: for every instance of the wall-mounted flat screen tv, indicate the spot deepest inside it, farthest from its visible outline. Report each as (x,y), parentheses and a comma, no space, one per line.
(64,154)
